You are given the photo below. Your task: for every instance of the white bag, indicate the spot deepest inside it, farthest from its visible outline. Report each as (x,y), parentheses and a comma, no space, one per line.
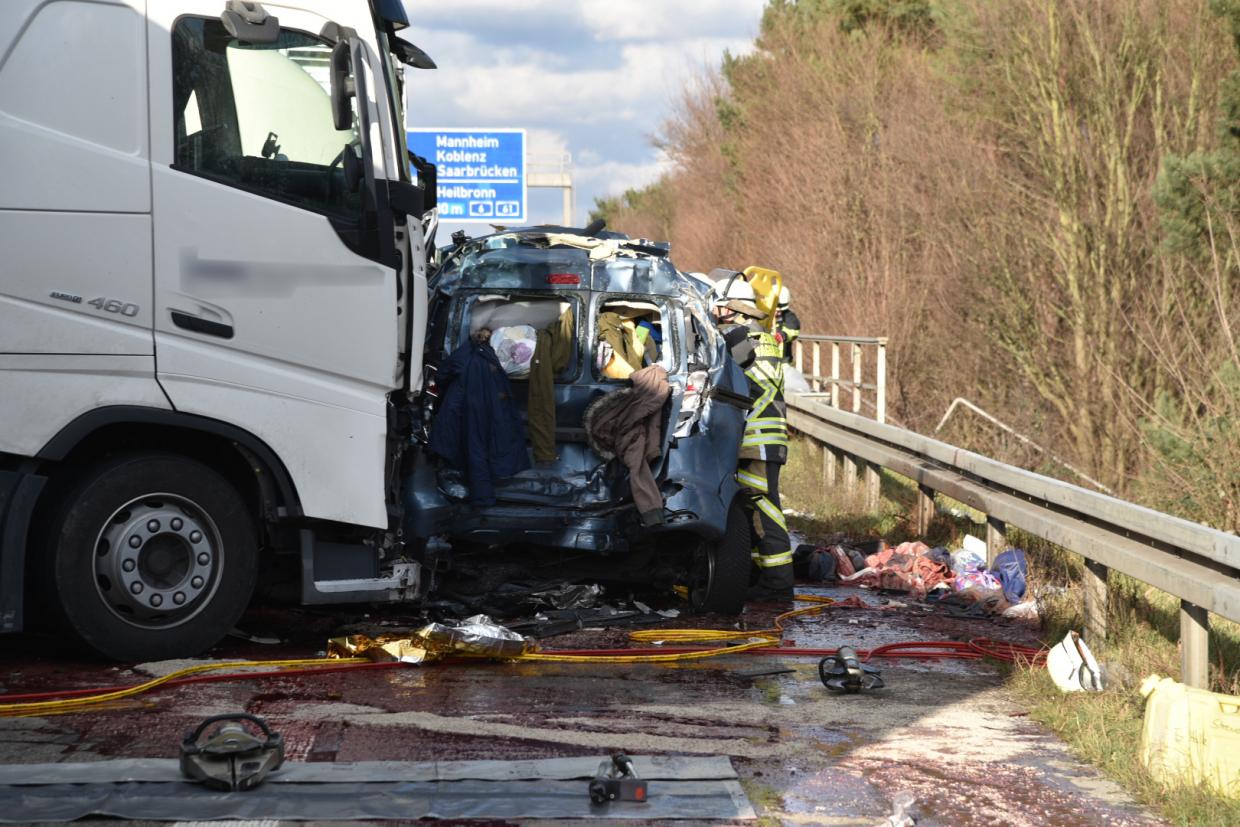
(514,345)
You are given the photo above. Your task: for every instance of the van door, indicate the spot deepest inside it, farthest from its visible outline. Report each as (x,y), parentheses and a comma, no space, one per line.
(273,308)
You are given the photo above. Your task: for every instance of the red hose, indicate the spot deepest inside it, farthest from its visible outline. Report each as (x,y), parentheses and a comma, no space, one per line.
(918,650)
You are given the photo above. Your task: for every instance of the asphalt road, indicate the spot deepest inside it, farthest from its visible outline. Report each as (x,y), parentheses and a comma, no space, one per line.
(947,732)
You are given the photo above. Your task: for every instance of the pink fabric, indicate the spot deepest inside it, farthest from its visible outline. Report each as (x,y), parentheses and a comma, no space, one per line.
(904,568)
(843,565)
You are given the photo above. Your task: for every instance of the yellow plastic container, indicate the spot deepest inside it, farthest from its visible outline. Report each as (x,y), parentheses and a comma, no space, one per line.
(1191,736)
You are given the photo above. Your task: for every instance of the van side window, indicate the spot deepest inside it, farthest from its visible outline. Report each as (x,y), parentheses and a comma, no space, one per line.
(630,335)
(258,116)
(514,322)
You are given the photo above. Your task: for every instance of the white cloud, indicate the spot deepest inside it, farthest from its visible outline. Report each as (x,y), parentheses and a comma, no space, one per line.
(606,20)
(648,78)
(640,20)
(612,177)
(595,78)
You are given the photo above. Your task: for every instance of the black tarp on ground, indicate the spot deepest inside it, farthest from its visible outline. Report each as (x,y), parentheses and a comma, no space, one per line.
(680,788)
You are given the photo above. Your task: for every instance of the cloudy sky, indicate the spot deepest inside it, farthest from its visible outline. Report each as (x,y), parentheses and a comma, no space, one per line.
(593,77)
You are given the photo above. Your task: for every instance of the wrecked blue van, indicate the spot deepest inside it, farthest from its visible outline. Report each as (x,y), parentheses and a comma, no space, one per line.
(576,511)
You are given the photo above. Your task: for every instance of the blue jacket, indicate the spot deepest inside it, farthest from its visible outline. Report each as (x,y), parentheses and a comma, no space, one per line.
(477,428)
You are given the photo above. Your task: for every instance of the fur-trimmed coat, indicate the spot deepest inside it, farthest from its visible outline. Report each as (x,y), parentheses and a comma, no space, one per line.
(628,424)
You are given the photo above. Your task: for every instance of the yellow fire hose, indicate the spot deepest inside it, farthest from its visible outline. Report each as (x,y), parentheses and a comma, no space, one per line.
(753,639)
(74,704)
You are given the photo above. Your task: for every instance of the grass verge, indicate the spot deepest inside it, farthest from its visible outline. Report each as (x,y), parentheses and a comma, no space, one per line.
(1143,630)
(1105,728)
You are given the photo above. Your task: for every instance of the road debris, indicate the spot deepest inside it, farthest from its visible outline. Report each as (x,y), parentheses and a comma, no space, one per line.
(844,672)
(617,780)
(220,753)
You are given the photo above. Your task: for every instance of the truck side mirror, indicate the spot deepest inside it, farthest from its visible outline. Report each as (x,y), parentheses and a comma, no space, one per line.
(353,171)
(428,179)
(343,85)
(411,55)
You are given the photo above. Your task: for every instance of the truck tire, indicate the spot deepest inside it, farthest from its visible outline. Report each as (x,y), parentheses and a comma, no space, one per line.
(719,571)
(151,556)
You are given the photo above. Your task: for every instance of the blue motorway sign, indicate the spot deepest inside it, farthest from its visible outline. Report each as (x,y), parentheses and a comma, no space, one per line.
(481,172)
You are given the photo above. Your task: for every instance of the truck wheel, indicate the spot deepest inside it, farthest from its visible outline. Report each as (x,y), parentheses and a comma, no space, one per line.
(152,556)
(719,570)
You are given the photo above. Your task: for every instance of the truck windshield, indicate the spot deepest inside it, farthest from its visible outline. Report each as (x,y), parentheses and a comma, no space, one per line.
(259,116)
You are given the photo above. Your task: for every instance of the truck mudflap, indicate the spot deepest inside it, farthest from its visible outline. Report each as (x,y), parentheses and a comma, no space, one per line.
(18,494)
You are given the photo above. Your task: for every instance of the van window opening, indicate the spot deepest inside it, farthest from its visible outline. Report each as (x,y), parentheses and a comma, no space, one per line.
(630,334)
(514,322)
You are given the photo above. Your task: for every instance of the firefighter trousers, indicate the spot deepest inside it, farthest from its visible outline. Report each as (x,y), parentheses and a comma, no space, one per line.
(772,549)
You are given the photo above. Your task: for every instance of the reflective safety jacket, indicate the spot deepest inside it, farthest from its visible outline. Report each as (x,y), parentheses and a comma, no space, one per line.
(760,354)
(790,326)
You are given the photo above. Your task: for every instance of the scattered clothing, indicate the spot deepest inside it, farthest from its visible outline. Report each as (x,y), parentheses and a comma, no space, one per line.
(477,428)
(628,424)
(823,564)
(814,564)
(651,339)
(1011,569)
(974,579)
(942,556)
(621,335)
(968,560)
(551,354)
(913,568)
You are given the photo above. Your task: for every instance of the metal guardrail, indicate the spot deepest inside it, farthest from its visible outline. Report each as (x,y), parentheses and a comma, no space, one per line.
(1197,564)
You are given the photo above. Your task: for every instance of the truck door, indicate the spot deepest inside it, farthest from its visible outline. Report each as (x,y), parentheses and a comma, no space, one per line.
(274,308)
(75,216)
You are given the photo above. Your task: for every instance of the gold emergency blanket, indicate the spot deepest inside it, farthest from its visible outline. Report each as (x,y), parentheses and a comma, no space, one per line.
(473,637)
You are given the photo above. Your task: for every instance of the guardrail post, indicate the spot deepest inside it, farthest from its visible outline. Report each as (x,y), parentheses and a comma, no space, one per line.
(798,356)
(851,468)
(880,382)
(817,383)
(924,510)
(996,539)
(1095,602)
(835,374)
(1194,645)
(830,464)
(873,486)
(856,365)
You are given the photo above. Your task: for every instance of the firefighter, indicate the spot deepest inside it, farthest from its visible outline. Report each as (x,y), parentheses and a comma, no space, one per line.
(764,447)
(787,323)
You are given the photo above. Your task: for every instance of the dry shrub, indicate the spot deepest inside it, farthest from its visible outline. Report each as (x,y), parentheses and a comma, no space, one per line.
(979,191)
(845,169)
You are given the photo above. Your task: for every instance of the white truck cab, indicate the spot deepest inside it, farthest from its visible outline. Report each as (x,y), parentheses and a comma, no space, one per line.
(212,309)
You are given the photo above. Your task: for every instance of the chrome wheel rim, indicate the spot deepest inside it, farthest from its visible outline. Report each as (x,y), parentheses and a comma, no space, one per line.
(157,561)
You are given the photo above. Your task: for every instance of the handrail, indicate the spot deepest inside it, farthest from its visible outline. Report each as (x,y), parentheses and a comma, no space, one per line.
(859,340)
(1195,563)
(994,420)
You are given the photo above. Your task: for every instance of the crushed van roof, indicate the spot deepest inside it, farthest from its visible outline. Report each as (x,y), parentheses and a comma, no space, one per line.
(563,259)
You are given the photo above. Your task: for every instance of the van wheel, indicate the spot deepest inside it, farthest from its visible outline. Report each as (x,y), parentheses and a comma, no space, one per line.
(719,570)
(152,556)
